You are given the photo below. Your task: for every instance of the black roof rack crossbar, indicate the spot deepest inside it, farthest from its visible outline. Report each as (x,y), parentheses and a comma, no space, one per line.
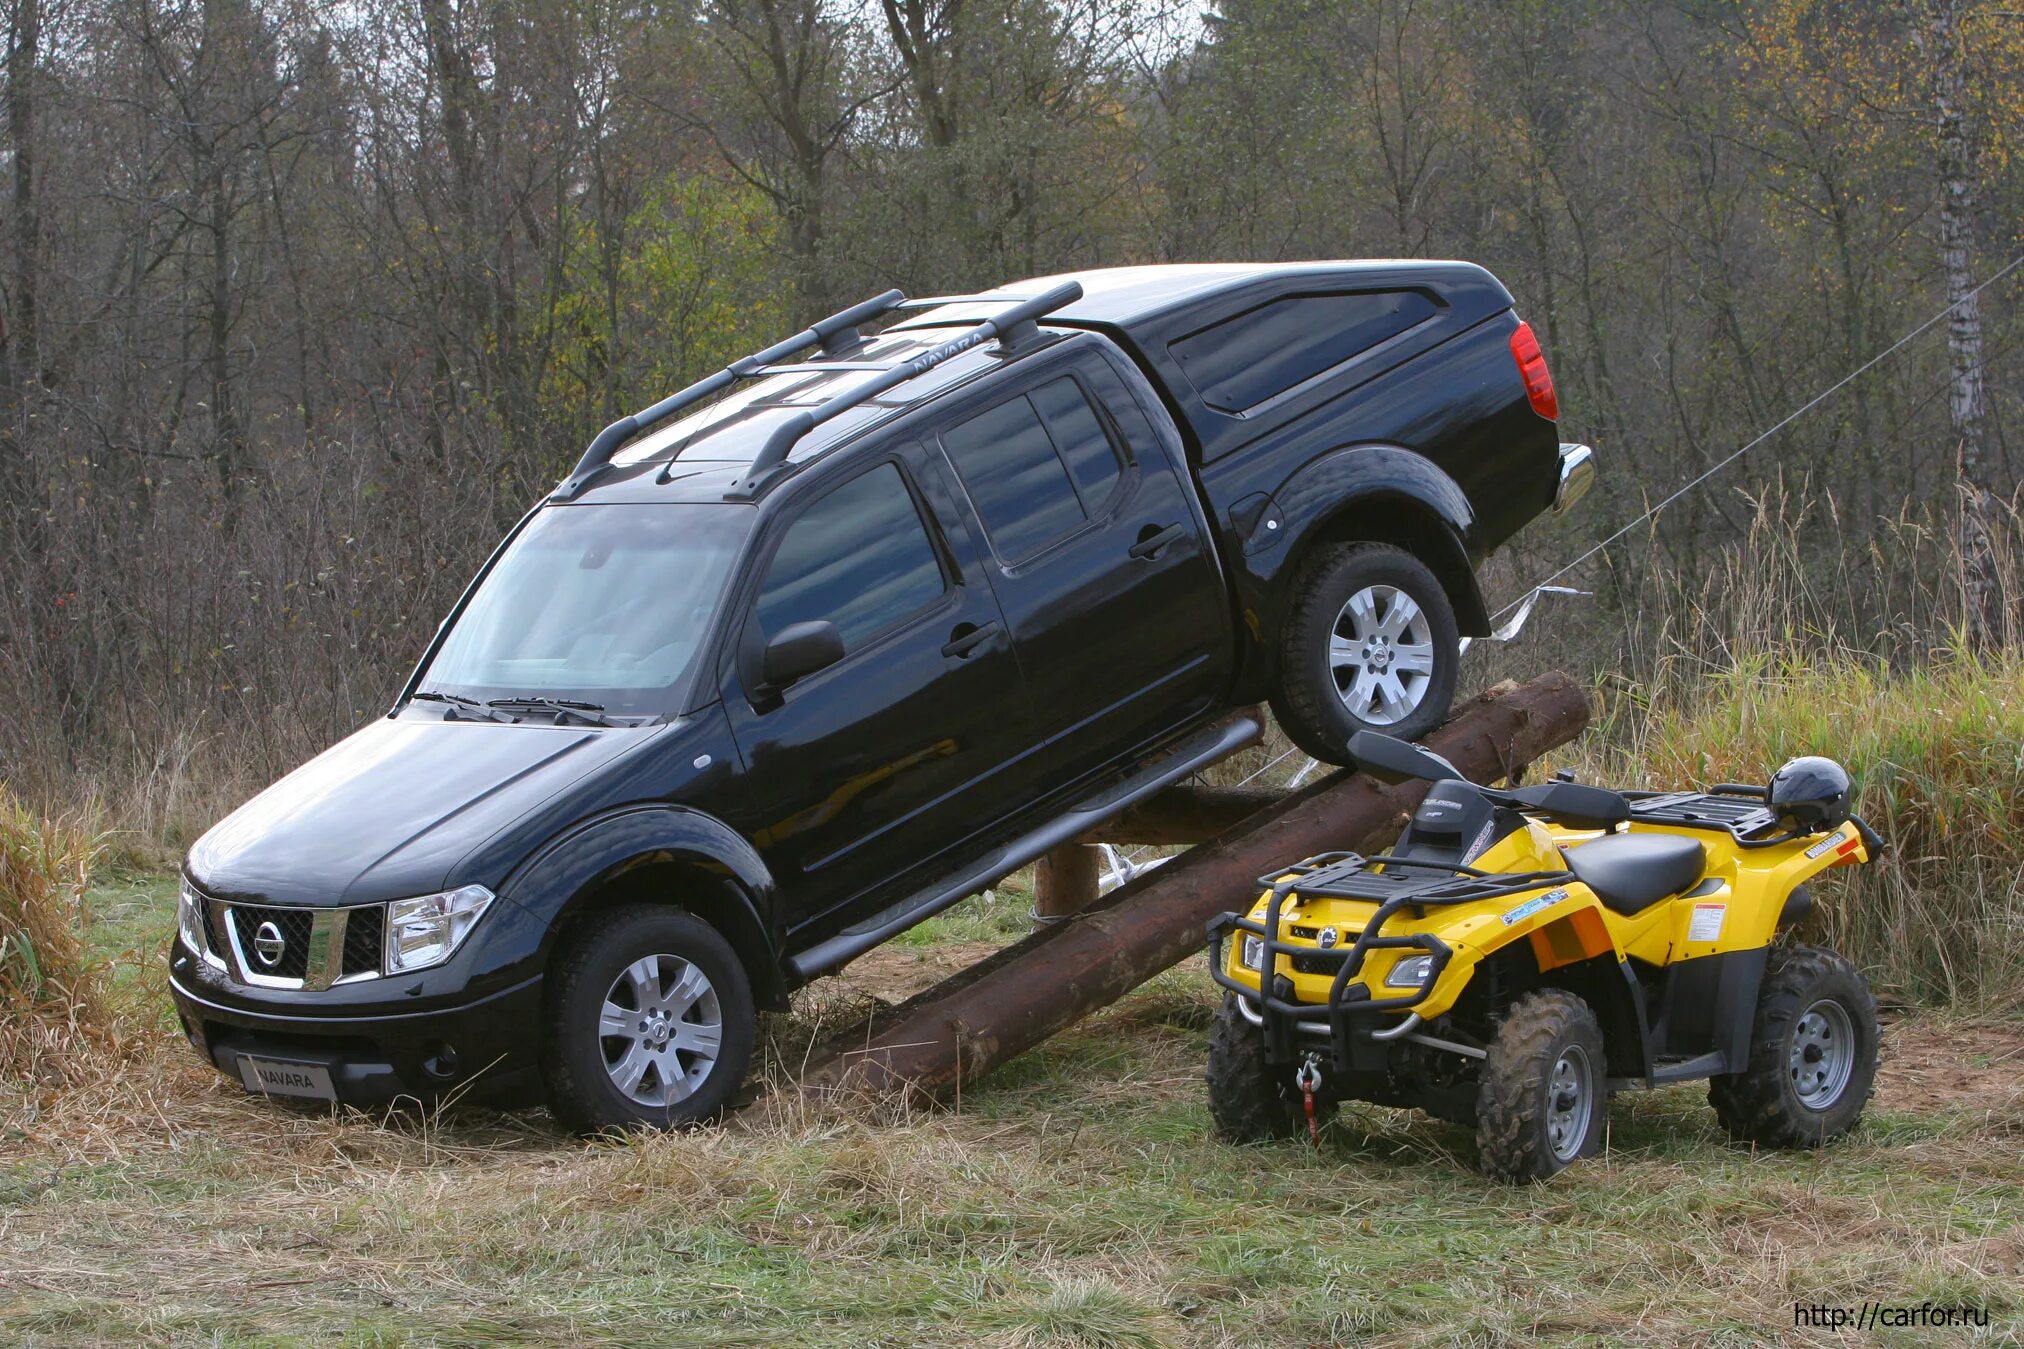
(836,335)
(937,301)
(772,456)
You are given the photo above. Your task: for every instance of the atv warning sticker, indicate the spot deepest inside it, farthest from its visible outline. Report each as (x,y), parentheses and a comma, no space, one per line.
(1534,905)
(1706,924)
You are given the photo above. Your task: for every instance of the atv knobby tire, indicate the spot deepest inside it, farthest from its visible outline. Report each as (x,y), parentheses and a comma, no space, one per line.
(1515,1095)
(1764,1103)
(1250,1099)
(1308,702)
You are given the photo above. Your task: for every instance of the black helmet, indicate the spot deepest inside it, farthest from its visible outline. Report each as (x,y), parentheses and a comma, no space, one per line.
(1810,795)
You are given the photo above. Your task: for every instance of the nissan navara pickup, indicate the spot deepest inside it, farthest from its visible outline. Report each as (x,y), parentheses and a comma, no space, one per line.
(849,630)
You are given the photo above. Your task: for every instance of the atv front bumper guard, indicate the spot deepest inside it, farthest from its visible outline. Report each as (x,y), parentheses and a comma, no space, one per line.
(1350,1016)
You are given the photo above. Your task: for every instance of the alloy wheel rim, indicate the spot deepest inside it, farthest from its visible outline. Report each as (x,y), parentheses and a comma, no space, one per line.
(1822,1057)
(660,1029)
(1381,655)
(1570,1100)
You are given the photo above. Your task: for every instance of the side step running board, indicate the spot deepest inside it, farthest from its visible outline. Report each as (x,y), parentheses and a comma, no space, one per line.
(1196,752)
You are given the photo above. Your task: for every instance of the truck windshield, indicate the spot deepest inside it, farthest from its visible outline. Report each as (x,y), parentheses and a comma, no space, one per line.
(603,605)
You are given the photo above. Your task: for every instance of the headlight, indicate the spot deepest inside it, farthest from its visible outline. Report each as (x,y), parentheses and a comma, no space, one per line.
(1412,972)
(1253,957)
(190,918)
(427,931)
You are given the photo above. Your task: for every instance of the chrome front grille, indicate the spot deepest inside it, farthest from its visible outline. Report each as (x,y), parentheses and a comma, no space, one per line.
(273,941)
(271,946)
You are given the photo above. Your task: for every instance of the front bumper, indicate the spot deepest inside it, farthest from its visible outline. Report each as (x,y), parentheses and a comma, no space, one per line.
(1354,1024)
(479,1051)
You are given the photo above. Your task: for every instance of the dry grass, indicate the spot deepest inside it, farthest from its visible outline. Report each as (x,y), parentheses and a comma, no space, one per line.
(50,997)
(1076,1199)
(1935,754)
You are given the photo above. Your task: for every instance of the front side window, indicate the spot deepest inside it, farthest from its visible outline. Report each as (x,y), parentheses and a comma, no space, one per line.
(605,603)
(859,557)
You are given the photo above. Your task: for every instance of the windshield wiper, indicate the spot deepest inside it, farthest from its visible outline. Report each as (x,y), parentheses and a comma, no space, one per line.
(459,704)
(590,714)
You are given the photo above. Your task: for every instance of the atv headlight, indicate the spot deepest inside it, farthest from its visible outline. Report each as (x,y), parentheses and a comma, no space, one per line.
(427,930)
(1253,957)
(1412,972)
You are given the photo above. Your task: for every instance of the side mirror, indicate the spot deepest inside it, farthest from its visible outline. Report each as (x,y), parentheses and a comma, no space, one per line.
(1392,760)
(799,650)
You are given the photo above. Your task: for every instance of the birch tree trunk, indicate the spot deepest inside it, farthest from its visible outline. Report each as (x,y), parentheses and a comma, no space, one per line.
(1940,40)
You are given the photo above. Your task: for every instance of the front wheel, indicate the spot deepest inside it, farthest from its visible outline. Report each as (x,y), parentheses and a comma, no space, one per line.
(650,1022)
(1542,1096)
(1813,1053)
(1370,644)
(1251,1099)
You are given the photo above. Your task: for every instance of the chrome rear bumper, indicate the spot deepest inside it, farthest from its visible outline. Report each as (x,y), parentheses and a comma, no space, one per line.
(1577,475)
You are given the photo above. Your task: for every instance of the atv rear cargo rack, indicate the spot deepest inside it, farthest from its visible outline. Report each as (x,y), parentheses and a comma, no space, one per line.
(1742,812)
(1348,875)
(837,336)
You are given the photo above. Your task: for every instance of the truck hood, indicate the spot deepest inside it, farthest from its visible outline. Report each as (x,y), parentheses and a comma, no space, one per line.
(391,810)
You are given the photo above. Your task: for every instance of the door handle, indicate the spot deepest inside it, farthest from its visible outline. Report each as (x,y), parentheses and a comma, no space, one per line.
(968,637)
(1152,539)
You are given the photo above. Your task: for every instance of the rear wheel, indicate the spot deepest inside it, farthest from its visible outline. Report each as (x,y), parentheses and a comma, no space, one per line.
(650,1022)
(1251,1099)
(1542,1096)
(1370,644)
(1813,1054)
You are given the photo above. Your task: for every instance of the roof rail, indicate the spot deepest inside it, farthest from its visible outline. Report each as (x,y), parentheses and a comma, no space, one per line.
(1010,327)
(837,335)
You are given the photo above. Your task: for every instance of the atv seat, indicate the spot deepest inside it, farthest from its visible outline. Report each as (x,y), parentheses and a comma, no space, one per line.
(1632,872)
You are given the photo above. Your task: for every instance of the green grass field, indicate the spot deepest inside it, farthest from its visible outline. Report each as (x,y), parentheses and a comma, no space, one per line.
(1075,1198)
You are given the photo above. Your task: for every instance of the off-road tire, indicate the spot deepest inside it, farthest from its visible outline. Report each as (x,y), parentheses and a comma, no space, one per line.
(1306,701)
(1250,1099)
(1762,1103)
(580,1090)
(1514,1090)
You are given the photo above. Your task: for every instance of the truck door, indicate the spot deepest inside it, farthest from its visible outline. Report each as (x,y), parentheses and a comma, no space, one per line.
(863,772)
(1099,559)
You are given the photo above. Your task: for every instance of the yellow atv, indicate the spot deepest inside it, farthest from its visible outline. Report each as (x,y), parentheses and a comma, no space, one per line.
(1524,952)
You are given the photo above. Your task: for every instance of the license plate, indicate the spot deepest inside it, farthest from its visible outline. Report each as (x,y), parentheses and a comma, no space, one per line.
(277,1077)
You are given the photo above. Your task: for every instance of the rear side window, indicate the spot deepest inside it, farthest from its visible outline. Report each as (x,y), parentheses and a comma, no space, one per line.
(1260,354)
(1079,437)
(1036,468)
(859,557)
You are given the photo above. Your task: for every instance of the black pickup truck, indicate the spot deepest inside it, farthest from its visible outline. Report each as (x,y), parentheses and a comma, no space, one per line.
(849,630)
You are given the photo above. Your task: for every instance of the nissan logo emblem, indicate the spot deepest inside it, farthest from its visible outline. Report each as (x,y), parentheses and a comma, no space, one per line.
(268,945)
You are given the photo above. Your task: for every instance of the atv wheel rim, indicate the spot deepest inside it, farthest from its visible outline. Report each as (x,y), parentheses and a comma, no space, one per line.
(1381,655)
(660,1029)
(1823,1054)
(1570,1100)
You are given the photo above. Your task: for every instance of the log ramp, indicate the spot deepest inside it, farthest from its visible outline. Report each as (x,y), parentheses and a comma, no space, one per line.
(950,1035)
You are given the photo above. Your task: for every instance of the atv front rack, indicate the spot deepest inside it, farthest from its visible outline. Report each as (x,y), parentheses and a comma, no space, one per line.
(1405,883)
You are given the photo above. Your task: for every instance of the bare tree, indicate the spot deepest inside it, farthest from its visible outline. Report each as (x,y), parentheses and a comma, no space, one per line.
(1937,28)
(20,357)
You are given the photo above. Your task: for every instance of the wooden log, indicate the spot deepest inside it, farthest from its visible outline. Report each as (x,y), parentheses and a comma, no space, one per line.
(1189,813)
(977,1019)
(1065,881)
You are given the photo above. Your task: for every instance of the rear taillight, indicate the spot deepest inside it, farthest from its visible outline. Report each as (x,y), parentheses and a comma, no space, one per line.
(1532,369)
